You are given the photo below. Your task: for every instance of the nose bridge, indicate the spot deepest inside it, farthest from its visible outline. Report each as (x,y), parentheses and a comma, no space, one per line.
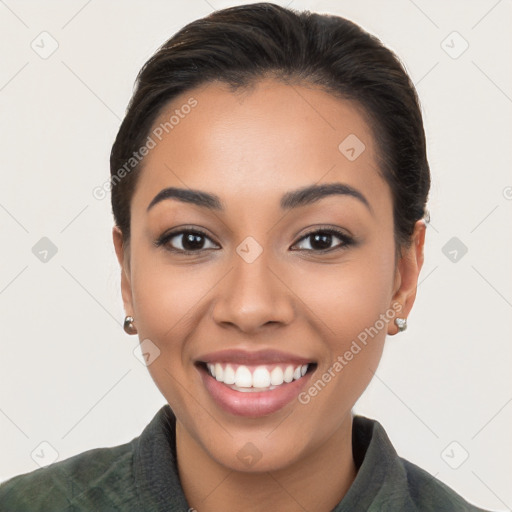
(252,295)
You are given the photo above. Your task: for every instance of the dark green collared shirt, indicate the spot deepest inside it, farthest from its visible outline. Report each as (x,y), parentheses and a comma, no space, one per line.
(142,475)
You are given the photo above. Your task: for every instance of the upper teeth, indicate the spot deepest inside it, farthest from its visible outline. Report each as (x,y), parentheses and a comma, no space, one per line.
(259,377)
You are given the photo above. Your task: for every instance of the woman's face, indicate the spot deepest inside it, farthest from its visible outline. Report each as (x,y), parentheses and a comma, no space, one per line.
(273,279)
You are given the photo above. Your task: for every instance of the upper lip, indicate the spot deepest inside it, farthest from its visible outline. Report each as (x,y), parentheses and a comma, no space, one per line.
(268,356)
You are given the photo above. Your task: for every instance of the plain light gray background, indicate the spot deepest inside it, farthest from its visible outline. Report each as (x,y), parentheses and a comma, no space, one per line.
(70,378)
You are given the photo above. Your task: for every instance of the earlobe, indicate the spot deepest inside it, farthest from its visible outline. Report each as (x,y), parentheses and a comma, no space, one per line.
(123,259)
(406,279)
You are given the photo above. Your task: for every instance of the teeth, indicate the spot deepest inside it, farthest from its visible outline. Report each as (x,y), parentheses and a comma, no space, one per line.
(288,374)
(219,373)
(276,377)
(261,378)
(229,375)
(243,377)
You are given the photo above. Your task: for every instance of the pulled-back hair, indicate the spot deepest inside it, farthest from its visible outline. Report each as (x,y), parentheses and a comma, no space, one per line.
(240,45)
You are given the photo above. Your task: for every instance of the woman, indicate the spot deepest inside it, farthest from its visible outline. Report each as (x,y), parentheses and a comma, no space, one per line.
(269,184)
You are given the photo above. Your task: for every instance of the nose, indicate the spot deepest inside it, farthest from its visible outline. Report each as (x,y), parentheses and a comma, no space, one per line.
(252,296)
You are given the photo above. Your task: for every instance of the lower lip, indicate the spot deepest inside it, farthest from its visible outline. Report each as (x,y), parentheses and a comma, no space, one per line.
(252,404)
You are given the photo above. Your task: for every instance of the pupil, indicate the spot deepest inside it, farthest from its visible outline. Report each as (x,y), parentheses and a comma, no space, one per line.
(192,241)
(322,241)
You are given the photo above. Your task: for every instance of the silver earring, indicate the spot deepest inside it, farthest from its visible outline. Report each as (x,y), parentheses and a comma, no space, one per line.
(128,325)
(401,323)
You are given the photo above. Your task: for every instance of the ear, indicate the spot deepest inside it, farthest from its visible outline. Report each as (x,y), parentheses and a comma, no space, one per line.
(124,262)
(407,272)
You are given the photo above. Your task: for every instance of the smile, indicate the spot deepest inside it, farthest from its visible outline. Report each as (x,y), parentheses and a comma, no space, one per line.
(245,378)
(254,390)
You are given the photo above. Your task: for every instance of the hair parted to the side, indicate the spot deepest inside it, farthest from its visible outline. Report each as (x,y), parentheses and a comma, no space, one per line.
(240,45)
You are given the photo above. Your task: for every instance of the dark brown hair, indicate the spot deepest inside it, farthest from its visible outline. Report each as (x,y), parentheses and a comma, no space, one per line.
(239,45)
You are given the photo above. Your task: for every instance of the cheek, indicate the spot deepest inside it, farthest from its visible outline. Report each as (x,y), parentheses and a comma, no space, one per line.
(167,301)
(352,305)
(348,297)
(167,297)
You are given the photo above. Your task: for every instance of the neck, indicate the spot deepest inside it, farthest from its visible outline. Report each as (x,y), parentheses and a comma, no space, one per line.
(316,482)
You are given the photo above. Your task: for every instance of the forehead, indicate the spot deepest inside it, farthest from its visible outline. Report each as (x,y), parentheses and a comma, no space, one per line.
(258,142)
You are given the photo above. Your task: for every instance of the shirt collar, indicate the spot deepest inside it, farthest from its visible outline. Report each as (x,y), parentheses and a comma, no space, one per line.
(159,488)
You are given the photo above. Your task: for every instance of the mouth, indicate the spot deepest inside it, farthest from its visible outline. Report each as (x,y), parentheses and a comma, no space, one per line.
(254,390)
(256,378)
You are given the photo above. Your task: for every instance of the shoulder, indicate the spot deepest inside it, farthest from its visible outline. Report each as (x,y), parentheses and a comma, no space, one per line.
(99,479)
(429,493)
(397,483)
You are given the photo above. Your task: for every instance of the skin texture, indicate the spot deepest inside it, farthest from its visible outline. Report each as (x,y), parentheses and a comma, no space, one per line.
(249,148)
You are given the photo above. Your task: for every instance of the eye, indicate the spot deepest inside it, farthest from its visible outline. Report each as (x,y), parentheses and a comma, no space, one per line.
(321,240)
(189,241)
(186,241)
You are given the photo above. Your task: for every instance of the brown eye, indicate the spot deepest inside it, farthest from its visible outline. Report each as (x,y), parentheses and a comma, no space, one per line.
(186,241)
(321,240)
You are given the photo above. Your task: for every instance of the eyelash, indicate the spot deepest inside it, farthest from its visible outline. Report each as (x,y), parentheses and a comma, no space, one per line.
(345,239)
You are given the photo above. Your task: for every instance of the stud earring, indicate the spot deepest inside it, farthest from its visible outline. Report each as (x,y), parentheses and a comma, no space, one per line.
(401,323)
(128,325)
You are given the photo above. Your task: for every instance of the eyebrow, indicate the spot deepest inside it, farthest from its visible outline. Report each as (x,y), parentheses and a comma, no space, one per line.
(294,199)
